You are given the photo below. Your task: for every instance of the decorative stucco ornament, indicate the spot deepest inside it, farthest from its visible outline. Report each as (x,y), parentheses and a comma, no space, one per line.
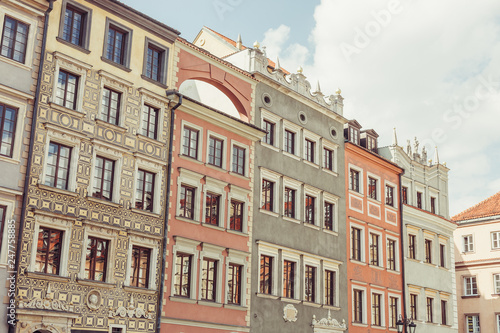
(94,299)
(46,304)
(328,323)
(338,91)
(290,313)
(131,312)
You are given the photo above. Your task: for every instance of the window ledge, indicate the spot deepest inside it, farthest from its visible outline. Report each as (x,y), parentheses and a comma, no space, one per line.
(147,138)
(145,212)
(182,299)
(375,201)
(49,277)
(331,232)
(312,226)
(380,268)
(210,303)
(236,232)
(290,300)
(269,146)
(58,190)
(159,84)
(66,110)
(76,47)
(359,324)
(120,66)
(235,307)
(267,296)
(98,284)
(104,201)
(377,327)
(314,165)
(234,174)
(295,157)
(211,226)
(16,63)
(394,272)
(140,290)
(113,126)
(358,262)
(333,173)
(268,212)
(315,305)
(191,159)
(471,296)
(9,159)
(215,167)
(180,218)
(359,194)
(291,219)
(414,260)
(331,307)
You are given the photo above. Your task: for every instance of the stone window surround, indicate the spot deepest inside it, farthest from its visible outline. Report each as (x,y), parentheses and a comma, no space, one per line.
(362,240)
(315,193)
(308,135)
(224,149)
(246,166)
(192,179)
(187,246)
(116,84)
(158,102)
(87,26)
(157,170)
(217,187)
(163,61)
(334,148)
(276,120)
(184,124)
(294,257)
(106,234)
(107,151)
(214,252)
(239,258)
(294,128)
(364,318)
(332,199)
(148,243)
(396,252)
(241,195)
(294,185)
(382,305)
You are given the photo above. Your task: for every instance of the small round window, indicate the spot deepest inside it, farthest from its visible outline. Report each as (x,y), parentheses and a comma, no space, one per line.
(302,117)
(266,98)
(333,132)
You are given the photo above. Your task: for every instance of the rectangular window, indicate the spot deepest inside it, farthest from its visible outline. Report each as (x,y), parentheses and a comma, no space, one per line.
(187,202)
(496,282)
(413,306)
(472,322)
(154,63)
(269,128)
(209,280)
(389,195)
(391,254)
(103,178)
(190,142)
(393,312)
(356,244)
(354,135)
(433,205)
(419,200)
(48,251)
(215,151)
(374,247)
(468,241)
(430,303)
(354,180)
(329,215)
(182,279)
(145,190)
(310,203)
(428,251)
(444,312)
(267,195)
(150,122)
(110,106)
(234,284)
(67,88)
(404,194)
(74,25)
(289,142)
(470,286)
(372,188)
(96,260)
(266,275)
(212,208)
(328,159)
(3,213)
(288,279)
(358,306)
(442,255)
(310,283)
(330,288)
(376,310)
(495,240)
(236,215)
(412,250)
(14,39)
(310,151)
(289,202)
(58,161)
(116,45)
(239,160)
(8,120)
(140,267)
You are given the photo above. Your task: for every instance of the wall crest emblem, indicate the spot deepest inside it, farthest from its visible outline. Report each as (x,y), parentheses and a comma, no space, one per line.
(94,299)
(290,313)
(131,311)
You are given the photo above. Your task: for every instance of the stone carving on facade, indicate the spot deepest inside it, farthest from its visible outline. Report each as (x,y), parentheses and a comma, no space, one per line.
(290,313)
(408,147)
(131,311)
(46,304)
(94,299)
(328,323)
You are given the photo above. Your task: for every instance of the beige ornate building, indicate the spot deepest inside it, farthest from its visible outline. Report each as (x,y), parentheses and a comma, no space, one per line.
(91,244)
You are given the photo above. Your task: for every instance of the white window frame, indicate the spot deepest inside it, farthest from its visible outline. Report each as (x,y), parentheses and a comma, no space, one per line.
(265,249)
(496,283)
(468,243)
(495,240)
(272,118)
(361,179)
(199,147)
(325,144)
(396,253)
(224,149)
(214,252)
(294,257)
(476,324)
(395,196)
(246,167)
(9,200)
(151,99)
(435,195)
(150,166)
(313,192)
(187,246)
(334,267)
(497,316)
(115,83)
(334,200)
(192,179)
(238,258)
(112,154)
(106,234)
(274,177)
(153,255)
(380,251)
(291,127)
(362,241)
(379,183)
(123,327)
(398,306)
(364,307)
(214,186)
(308,135)
(297,186)
(242,195)
(470,280)
(313,262)
(382,307)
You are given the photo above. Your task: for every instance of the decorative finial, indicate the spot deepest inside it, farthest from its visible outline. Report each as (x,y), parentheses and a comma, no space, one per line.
(318,88)
(436,155)
(300,70)
(239,44)
(338,92)
(395,138)
(277,65)
(256,45)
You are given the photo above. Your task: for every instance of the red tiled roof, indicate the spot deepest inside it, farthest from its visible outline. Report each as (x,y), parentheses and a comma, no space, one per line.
(485,208)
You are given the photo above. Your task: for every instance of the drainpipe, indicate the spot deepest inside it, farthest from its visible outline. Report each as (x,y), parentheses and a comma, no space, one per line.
(32,140)
(167,203)
(402,251)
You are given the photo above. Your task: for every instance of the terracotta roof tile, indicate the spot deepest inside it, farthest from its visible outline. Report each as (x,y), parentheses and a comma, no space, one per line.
(485,208)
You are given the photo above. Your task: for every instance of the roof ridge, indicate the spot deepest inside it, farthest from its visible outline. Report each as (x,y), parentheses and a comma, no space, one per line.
(457,217)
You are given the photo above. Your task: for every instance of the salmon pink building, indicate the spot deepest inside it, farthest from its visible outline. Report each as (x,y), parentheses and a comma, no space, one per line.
(374,223)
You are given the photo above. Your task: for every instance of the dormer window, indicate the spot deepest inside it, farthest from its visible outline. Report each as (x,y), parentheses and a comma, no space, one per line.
(352,132)
(371,143)
(353,135)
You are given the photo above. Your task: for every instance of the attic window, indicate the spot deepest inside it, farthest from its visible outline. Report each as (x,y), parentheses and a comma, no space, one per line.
(354,135)
(371,143)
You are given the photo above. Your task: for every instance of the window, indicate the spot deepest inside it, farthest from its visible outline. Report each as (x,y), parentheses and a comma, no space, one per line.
(187,202)
(58,161)
(310,203)
(266,274)
(330,288)
(110,106)
(103,178)
(215,152)
(117,329)
(412,250)
(328,159)
(208,279)
(358,306)
(267,195)
(496,283)
(234,284)
(236,216)
(212,208)
(154,63)
(96,260)
(470,286)
(468,241)
(354,135)
(472,322)
(372,188)
(14,39)
(404,194)
(354,180)
(3,213)
(182,279)
(288,279)
(376,310)
(389,195)
(419,200)
(391,254)
(140,267)
(67,87)
(310,283)
(289,142)
(393,311)
(444,306)
(329,215)
(190,143)
(269,128)
(239,160)
(116,44)
(356,244)
(74,25)
(429,306)
(428,251)
(433,205)
(48,252)
(289,203)
(413,306)
(145,190)
(150,122)
(442,255)
(374,249)
(495,240)
(8,117)
(309,154)
(371,143)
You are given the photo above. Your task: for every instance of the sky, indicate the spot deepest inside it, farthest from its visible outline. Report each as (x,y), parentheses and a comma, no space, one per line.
(430,69)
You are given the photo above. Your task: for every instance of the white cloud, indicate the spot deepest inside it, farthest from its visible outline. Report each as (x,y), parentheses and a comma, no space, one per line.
(290,55)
